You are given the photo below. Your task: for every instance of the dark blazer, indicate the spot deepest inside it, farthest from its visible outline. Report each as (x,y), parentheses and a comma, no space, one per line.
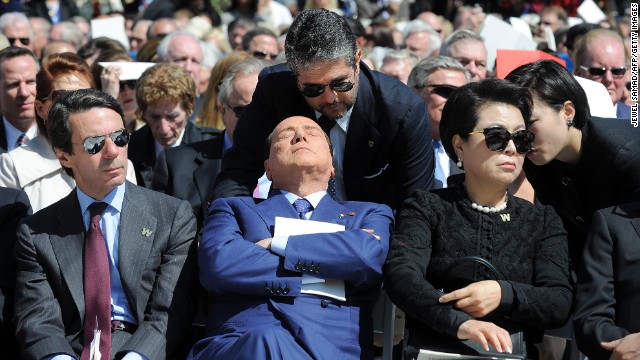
(38,8)
(142,150)
(608,291)
(388,152)
(607,174)
(248,284)
(3,137)
(188,172)
(158,274)
(14,206)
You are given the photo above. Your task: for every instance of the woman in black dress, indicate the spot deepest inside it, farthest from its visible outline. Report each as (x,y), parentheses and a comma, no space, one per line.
(482,127)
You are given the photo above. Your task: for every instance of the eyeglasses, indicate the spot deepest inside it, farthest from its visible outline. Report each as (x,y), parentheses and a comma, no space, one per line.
(497,139)
(55,94)
(23,41)
(94,144)
(263,55)
(312,91)
(600,71)
(237,110)
(131,84)
(441,90)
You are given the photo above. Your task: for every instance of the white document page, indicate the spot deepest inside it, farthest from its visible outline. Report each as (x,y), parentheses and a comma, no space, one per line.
(312,285)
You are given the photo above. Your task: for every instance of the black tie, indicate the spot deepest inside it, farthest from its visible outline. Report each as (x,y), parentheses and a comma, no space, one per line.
(326,124)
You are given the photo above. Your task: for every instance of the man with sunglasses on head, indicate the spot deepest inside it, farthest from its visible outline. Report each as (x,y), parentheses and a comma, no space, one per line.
(600,56)
(110,267)
(18,69)
(381,146)
(16,27)
(434,79)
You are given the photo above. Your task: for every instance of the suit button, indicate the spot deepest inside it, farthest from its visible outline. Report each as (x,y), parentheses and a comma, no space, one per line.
(580,219)
(297,267)
(324,303)
(267,290)
(304,267)
(285,291)
(566,181)
(279,290)
(312,268)
(318,269)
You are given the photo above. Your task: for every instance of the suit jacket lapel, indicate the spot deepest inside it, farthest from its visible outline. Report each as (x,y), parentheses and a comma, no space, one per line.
(362,138)
(269,209)
(68,247)
(208,167)
(328,210)
(137,232)
(636,225)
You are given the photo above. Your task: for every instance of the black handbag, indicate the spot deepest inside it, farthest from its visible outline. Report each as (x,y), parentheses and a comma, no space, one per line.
(458,275)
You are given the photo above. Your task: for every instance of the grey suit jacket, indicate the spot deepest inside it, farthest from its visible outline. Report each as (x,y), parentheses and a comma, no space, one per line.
(158,274)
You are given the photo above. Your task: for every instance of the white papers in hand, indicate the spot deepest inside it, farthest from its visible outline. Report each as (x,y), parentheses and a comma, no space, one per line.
(312,285)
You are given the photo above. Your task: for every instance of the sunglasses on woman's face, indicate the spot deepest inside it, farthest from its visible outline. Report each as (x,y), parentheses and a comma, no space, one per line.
(131,84)
(600,71)
(498,138)
(94,144)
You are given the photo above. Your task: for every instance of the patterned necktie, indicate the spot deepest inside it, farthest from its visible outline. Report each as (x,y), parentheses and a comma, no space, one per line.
(326,124)
(97,288)
(303,206)
(22,140)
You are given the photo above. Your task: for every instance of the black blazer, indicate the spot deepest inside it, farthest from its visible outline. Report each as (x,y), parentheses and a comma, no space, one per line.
(607,174)
(188,172)
(142,151)
(3,138)
(388,152)
(38,8)
(608,291)
(14,206)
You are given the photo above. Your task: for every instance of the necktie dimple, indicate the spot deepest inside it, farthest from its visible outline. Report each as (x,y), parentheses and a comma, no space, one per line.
(303,206)
(22,140)
(97,288)
(326,124)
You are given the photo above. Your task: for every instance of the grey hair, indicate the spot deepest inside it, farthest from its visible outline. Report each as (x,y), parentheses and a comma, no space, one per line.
(163,48)
(8,19)
(71,33)
(401,55)
(246,67)
(210,54)
(319,35)
(427,66)
(458,35)
(418,25)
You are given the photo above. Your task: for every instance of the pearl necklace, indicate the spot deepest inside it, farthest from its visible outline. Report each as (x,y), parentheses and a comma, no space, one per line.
(489,209)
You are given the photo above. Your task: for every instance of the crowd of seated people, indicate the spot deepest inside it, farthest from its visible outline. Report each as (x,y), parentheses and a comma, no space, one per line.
(242,179)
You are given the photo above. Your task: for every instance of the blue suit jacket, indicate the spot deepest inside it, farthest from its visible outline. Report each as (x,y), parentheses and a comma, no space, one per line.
(241,277)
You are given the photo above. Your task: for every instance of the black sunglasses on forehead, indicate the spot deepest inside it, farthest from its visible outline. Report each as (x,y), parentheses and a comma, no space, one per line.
(497,139)
(93,144)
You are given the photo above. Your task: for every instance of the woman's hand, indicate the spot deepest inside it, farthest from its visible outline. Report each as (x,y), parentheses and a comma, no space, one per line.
(110,80)
(485,334)
(477,299)
(626,348)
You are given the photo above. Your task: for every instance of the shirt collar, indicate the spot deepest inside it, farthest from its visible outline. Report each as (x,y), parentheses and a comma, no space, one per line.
(343,122)
(160,148)
(12,133)
(227,143)
(314,199)
(114,198)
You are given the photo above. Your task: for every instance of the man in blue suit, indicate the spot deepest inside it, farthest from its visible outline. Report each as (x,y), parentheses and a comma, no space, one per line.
(382,149)
(259,305)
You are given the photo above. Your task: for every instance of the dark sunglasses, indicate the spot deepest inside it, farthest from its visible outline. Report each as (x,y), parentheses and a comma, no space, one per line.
(312,91)
(94,144)
(55,94)
(600,71)
(237,110)
(131,84)
(23,41)
(263,55)
(441,90)
(497,139)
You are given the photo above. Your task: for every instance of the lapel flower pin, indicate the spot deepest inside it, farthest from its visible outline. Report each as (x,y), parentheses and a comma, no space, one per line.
(146,232)
(350,213)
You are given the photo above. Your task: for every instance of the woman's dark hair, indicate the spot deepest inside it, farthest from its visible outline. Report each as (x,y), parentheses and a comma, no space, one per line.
(98,45)
(553,84)
(460,113)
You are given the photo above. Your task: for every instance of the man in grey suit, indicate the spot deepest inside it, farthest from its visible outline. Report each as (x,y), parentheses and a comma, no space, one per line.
(434,79)
(107,237)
